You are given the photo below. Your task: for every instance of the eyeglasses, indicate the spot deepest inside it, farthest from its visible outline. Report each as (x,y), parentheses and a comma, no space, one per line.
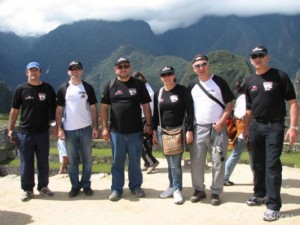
(199,65)
(126,66)
(166,74)
(255,56)
(74,69)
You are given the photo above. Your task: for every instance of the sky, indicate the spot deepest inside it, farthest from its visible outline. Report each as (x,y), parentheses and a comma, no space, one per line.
(36,17)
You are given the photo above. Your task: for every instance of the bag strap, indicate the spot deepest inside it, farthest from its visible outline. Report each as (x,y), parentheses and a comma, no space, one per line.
(211,96)
(158,100)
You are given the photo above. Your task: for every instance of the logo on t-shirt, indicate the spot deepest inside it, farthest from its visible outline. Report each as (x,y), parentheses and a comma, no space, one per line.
(119,92)
(268,86)
(28,97)
(132,91)
(174,98)
(42,96)
(254,88)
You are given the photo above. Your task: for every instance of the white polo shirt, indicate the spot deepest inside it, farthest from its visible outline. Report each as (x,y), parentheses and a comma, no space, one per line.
(77,109)
(207,111)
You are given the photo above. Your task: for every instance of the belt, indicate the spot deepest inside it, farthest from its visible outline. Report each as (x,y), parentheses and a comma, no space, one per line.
(268,121)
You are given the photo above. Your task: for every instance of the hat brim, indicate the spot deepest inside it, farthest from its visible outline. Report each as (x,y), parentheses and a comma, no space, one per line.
(258,52)
(75,66)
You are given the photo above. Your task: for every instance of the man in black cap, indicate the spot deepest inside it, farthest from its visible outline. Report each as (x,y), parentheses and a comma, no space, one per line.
(77,105)
(213,103)
(124,95)
(266,92)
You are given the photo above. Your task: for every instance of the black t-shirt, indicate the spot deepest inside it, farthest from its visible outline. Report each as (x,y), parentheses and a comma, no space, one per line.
(266,95)
(173,106)
(37,105)
(125,99)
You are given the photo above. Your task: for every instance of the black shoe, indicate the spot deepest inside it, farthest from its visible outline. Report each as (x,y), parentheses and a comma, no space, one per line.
(256,201)
(197,196)
(215,200)
(88,191)
(74,192)
(228,183)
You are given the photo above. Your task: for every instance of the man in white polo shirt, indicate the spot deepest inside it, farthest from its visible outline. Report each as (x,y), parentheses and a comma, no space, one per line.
(76,99)
(212,105)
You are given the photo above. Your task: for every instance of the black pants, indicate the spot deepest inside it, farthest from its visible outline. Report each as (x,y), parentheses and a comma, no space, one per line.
(266,141)
(147,156)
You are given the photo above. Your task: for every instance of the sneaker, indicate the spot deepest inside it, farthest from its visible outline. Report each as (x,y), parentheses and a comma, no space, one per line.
(271,215)
(45,191)
(88,191)
(228,183)
(256,201)
(197,196)
(177,197)
(26,196)
(151,168)
(167,193)
(138,192)
(114,196)
(144,168)
(215,200)
(74,192)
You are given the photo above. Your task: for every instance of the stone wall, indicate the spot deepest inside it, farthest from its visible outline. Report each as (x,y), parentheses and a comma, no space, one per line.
(9,151)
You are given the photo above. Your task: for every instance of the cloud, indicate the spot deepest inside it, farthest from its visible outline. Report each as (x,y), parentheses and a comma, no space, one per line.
(35,17)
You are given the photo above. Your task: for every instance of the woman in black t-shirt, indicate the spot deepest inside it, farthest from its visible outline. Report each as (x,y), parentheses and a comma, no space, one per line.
(175,104)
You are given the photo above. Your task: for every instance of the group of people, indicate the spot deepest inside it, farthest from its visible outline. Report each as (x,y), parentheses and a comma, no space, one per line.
(132,115)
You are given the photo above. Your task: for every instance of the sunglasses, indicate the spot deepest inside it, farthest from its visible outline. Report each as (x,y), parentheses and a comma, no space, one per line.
(74,69)
(126,66)
(255,56)
(199,65)
(166,74)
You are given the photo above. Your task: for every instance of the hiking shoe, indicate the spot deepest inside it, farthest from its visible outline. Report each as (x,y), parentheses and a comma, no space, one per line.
(138,192)
(151,168)
(88,191)
(45,191)
(271,215)
(228,183)
(197,196)
(167,193)
(215,200)
(177,197)
(74,192)
(144,168)
(256,201)
(26,196)
(114,196)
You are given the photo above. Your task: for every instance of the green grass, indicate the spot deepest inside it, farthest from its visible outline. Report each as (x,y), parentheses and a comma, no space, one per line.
(103,159)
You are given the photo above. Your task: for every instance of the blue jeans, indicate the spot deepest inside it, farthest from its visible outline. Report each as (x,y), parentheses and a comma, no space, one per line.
(122,144)
(79,145)
(175,171)
(234,158)
(30,145)
(266,141)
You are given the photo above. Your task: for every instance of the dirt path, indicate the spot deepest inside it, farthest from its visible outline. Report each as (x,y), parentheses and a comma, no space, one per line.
(150,210)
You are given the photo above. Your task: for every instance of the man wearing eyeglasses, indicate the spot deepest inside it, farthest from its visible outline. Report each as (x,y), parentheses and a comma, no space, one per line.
(124,95)
(266,92)
(213,103)
(77,104)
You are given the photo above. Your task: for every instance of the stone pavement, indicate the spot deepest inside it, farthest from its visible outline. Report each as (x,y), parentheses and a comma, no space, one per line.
(151,210)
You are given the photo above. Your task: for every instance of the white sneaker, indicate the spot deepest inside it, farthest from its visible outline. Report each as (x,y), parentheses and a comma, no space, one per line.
(167,193)
(177,197)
